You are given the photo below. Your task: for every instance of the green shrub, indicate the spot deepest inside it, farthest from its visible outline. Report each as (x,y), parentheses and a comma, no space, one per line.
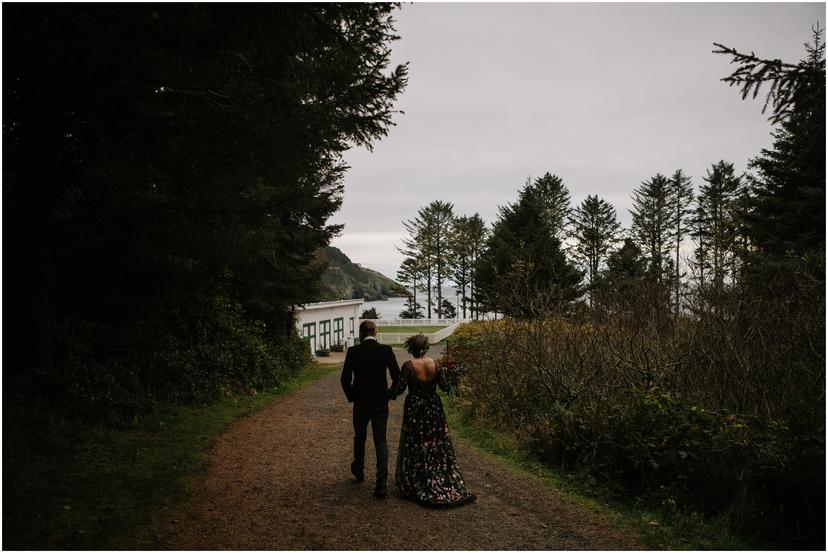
(224,354)
(668,453)
(185,351)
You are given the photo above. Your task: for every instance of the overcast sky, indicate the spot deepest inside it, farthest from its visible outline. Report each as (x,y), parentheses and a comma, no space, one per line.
(603,95)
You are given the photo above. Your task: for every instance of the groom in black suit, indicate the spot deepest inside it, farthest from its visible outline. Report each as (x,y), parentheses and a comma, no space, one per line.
(363,380)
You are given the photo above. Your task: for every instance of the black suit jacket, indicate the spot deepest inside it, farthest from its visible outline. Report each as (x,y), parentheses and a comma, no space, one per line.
(363,375)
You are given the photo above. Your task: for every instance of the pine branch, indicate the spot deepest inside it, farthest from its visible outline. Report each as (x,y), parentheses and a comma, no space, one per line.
(785,79)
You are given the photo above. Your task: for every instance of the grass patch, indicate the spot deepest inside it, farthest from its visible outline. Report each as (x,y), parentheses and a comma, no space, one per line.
(73,486)
(410,329)
(657,530)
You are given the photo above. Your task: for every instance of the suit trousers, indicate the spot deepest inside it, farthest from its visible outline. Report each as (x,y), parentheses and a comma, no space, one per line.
(377,415)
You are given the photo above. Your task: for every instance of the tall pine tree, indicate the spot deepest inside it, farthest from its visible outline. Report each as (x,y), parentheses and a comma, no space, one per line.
(595,229)
(429,241)
(438,218)
(651,224)
(552,196)
(462,257)
(786,211)
(416,249)
(681,198)
(718,224)
(476,234)
(409,275)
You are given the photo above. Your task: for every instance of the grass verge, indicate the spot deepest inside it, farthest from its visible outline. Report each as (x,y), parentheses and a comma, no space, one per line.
(657,530)
(76,486)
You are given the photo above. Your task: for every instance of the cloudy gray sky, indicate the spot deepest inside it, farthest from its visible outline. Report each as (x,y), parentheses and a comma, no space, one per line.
(604,95)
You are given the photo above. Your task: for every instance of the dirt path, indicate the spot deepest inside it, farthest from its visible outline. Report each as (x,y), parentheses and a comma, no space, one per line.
(279,479)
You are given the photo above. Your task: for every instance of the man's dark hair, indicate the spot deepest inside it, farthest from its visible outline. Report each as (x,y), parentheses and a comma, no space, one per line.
(367,328)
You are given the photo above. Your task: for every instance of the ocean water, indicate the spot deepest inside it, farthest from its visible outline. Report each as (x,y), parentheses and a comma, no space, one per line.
(392,307)
(388,309)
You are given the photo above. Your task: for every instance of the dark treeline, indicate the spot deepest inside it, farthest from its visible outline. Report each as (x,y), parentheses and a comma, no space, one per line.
(169,171)
(680,361)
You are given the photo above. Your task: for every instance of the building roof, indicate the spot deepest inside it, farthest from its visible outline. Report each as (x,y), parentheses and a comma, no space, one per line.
(327,304)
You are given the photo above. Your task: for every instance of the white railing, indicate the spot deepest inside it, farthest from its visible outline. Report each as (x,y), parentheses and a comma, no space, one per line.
(443,334)
(416,322)
(433,338)
(392,337)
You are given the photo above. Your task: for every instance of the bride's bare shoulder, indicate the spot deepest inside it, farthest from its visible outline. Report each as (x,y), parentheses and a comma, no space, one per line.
(431,361)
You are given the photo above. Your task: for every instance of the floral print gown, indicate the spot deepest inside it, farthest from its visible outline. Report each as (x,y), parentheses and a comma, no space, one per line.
(427,471)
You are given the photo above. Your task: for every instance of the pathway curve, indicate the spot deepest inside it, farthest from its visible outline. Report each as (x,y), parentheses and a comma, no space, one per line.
(279,479)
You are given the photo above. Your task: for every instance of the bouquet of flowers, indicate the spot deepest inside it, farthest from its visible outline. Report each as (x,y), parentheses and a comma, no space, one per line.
(452,372)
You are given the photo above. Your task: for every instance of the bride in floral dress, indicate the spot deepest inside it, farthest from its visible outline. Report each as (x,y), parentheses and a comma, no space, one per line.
(427,471)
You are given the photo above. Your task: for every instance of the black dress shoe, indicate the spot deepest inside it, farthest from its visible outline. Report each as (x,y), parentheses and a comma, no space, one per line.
(380,491)
(358,474)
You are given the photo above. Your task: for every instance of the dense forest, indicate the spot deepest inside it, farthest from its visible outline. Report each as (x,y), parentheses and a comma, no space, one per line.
(169,171)
(680,361)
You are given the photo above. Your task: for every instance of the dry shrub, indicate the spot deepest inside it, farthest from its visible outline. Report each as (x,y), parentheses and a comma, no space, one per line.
(719,412)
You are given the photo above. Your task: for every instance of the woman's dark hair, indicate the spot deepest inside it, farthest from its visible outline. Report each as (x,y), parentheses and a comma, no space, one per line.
(416,345)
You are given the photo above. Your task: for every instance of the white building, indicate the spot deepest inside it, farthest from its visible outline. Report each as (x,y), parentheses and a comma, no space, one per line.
(327,323)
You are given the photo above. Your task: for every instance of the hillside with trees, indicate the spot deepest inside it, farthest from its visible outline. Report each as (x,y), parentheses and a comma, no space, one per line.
(344,279)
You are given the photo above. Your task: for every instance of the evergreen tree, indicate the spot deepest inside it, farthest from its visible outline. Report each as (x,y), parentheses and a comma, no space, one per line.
(191,147)
(449,311)
(627,262)
(717,224)
(370,314)
(595,229)
(698,233)
(681,198)
(476,234)
(786,211)
(461,259)
(409,275)
(620,283)
(438,219)
(468,233)
(553,196)
(523,259)
(413,310)
(429,240)
(417,248)
(651,227)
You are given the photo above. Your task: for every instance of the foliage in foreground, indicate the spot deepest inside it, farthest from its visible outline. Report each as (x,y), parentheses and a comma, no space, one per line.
(166,164)
(73,485)
(198,353)
(721,416)
(658,529)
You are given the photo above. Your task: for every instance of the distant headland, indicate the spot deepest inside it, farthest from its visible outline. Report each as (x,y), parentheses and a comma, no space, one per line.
(344,279)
